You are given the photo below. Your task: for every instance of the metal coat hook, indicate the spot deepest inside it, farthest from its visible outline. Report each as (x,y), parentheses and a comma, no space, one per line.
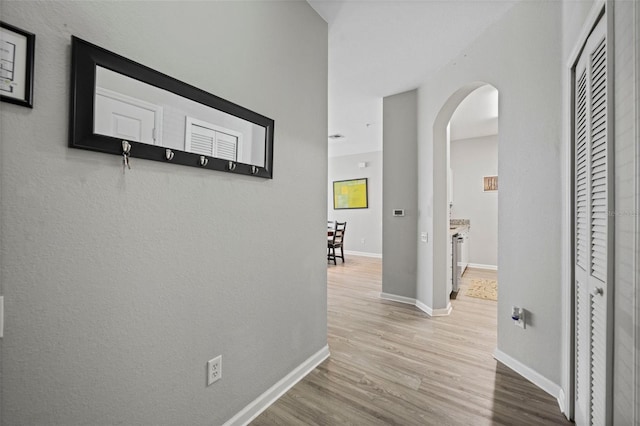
(168,154)
(231,166)
(126,153)
(203,160)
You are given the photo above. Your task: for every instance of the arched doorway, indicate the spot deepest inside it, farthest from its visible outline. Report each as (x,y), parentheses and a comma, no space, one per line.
(443,194)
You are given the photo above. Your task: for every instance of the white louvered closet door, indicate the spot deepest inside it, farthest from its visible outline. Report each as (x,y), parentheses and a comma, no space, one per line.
(593,231)
(211,140)
(200,140)
(226,146)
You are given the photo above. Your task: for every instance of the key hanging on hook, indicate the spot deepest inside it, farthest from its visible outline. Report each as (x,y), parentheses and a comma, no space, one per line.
(126,152)
(125,162)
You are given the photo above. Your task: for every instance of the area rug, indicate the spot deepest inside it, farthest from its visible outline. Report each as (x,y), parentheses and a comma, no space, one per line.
(483,289)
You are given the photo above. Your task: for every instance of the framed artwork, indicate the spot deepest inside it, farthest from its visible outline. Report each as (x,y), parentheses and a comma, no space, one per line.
(490,183)
(17,49)
(350,194)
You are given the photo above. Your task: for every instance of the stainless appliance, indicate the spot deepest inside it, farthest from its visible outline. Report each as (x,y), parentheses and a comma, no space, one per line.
(460,258)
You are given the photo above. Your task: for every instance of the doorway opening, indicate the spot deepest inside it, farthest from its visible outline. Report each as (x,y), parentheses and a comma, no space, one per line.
(472,195)
(466,146)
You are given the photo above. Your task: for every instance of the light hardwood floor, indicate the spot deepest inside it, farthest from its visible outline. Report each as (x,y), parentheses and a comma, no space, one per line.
(391,364)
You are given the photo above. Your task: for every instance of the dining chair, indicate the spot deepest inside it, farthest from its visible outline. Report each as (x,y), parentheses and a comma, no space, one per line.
(335,242)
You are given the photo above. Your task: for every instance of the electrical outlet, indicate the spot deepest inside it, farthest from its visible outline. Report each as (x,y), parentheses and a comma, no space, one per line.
(424,237)
(214,370)
(518,317)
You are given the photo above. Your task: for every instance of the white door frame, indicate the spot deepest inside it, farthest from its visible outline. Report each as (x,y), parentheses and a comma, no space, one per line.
(156,109)
(636,318)
(440,305)
(566,399)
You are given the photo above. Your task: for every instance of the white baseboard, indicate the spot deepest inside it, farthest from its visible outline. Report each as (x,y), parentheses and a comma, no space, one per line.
(418,304)
(562,401)
(396,298)
(482,266)
(363,254)
(533,376)
(441,312)
(271,395)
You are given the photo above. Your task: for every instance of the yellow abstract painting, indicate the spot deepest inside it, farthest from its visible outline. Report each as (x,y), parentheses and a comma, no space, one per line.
(350,194)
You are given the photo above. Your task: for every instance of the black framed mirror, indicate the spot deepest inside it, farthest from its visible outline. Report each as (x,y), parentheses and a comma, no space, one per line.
(118,104)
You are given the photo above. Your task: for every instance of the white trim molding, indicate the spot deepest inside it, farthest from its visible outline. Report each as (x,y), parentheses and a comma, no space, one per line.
(363,254)
(562,399)
(533,376)
(399,299)
(271,395)
(157,110)
(594,14)
(636,304)
(482,266)
(441,312)
(418,304)
(567,347)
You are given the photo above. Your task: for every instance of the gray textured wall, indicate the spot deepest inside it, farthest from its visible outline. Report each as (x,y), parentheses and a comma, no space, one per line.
(400,188)
(520,56)
(119,288)
(627,184)
(471,160)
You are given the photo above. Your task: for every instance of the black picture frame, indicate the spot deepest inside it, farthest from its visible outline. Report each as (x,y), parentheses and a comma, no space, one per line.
(86,57)
(17,65)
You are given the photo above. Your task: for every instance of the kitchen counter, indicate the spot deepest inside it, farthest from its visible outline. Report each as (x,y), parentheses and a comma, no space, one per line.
(457,229)
(457,226)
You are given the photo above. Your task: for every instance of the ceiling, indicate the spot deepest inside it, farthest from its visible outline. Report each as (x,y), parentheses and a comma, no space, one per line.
(379,48)
(477,114)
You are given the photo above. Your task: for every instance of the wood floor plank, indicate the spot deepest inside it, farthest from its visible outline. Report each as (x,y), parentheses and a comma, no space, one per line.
(391,364)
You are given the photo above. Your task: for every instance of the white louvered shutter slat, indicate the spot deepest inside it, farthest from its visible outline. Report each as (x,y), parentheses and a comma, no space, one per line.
(198,139)
(583,342)
(581,174)
(598,360)
(592,230)
(201,144)
(226,146)
(212,140)
(599,164)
